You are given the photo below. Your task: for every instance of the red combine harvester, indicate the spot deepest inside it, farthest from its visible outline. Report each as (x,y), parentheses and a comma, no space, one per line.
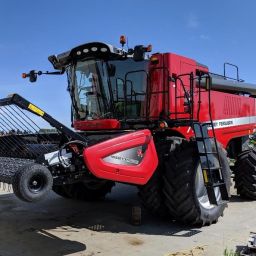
(162,122)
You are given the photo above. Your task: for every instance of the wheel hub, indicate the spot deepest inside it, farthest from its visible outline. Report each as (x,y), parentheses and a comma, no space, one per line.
(36,183)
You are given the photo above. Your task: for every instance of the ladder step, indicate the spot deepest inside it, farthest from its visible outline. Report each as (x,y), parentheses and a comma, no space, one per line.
(203,138)
(207,153)
(215,185)
(212,168)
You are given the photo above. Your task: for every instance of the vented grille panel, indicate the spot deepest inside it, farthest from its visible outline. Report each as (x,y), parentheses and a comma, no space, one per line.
(232,106)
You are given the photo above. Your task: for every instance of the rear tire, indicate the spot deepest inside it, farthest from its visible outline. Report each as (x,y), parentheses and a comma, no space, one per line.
(245,174)
(91,191)
(185,193)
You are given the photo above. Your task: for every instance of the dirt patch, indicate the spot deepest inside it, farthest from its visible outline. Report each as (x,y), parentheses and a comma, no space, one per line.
(135,241)
(89,254)
(197,251)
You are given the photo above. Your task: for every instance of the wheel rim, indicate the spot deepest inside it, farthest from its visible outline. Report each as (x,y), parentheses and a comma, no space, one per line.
(36,183)
(201,191)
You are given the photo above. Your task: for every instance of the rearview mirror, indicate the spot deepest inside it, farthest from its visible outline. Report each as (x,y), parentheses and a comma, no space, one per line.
(32,76)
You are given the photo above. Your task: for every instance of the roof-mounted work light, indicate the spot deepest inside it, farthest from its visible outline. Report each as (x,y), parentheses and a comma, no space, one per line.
(122,40)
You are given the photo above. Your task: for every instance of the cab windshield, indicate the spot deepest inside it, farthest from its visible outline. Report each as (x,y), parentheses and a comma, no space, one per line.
(108,89)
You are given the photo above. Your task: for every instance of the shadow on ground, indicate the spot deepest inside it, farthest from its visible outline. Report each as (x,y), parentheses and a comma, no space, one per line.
(27,228)
(239,199)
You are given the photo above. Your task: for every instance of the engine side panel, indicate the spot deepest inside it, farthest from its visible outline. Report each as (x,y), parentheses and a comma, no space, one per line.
(233,115)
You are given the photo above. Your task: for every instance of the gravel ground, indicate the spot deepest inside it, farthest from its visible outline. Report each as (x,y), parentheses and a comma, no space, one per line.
(58,226)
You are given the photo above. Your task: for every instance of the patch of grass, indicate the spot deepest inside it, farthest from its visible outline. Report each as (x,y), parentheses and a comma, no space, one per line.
(230,253)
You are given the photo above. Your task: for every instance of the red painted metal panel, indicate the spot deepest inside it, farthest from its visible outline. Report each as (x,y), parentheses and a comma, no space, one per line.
(100,124)
(224,106)
(94,158)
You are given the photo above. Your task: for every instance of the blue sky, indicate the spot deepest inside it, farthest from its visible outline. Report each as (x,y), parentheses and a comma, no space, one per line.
(210,32)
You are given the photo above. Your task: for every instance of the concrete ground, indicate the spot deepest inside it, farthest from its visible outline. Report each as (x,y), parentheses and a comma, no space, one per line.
(58,226)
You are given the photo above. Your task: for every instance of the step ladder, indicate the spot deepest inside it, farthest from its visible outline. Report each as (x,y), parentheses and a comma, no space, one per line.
(210,163)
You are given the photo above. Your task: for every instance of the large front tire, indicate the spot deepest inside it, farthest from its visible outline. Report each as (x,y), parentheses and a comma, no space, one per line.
(185,194)
(245,174)
(151,193)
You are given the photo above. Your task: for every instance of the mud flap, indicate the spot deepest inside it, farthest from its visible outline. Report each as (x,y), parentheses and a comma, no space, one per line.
(130,158)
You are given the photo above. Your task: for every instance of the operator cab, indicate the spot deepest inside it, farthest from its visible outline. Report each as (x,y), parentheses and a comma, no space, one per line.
(104,83)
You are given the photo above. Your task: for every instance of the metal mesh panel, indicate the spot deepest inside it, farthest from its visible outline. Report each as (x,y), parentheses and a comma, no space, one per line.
(22,136)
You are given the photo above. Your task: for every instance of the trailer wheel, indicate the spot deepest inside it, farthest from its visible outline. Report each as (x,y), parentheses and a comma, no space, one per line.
(32,182)
(185,194)
(151,193)
(245,174)
(85,191)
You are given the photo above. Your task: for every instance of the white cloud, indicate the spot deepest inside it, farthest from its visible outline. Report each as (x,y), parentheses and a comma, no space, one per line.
(192,21)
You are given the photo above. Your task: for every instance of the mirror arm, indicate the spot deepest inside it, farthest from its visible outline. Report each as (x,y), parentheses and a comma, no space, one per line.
(51,73)
(33,74)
